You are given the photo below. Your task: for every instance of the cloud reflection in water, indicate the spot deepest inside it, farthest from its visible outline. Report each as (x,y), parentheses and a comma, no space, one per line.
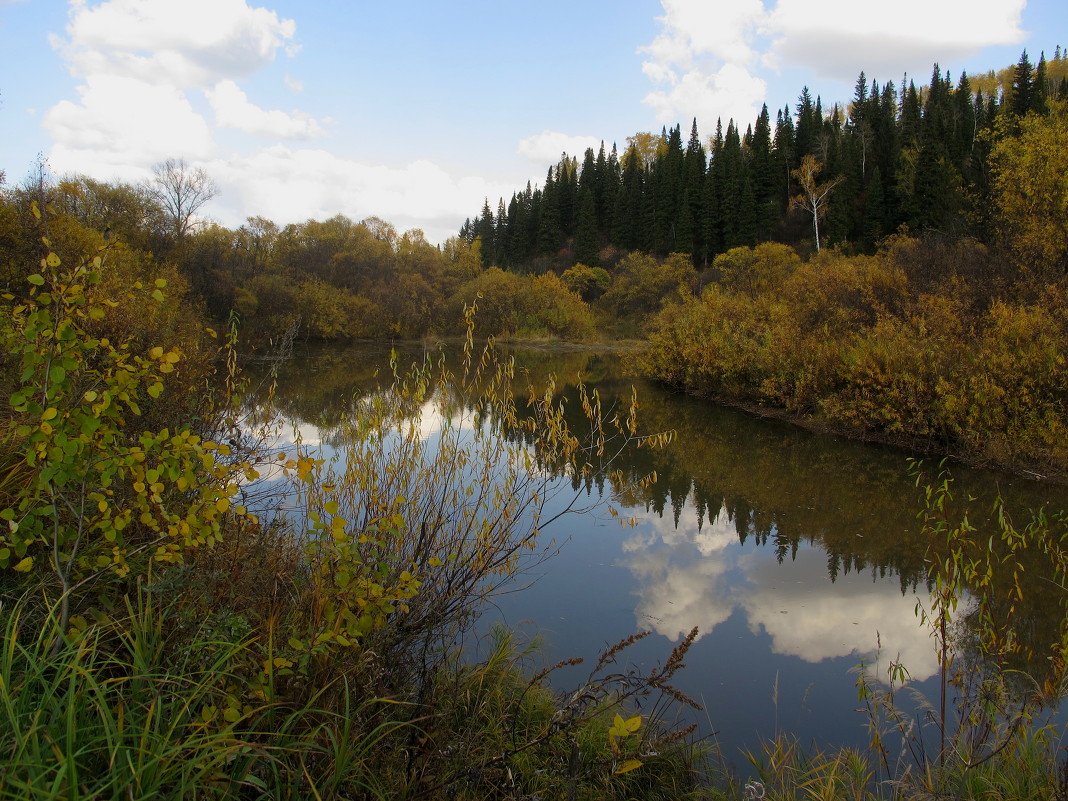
(698,575)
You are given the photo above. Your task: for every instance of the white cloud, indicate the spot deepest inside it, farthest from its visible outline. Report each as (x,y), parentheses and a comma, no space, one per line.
(233,110)
(192,43)
(813,620)
(702,56)
(706,58)
(292,185)
(122,125)
(142,67)
(546,147)
(698,576)
(293,85)
(838,38)
(730,93)
(137,59)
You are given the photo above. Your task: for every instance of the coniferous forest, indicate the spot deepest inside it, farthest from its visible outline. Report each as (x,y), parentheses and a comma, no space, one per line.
(894,156)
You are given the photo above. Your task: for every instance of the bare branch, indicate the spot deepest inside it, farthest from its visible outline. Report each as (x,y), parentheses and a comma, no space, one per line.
(182,190)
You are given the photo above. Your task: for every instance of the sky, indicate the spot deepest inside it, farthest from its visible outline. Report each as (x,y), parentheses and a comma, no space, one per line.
(416,111)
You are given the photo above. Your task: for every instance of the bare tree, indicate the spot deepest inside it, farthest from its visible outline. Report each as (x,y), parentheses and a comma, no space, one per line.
(813,197)
(182,190)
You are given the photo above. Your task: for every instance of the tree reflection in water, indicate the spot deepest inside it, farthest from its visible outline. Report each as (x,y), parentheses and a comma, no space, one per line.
(796,554)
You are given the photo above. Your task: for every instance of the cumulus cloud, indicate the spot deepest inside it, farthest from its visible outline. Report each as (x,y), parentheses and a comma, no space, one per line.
(122,125)
(707,58)
(193,43)
(730,93)
(138,59)
(145,69)
(546,147)
(233,110)
(702,59)
(813,620)
(290,185)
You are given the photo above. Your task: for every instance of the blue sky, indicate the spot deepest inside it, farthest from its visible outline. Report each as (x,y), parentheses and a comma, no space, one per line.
(415,111)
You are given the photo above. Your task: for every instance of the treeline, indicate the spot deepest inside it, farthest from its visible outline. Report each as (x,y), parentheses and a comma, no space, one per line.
(328,279)
(895,156)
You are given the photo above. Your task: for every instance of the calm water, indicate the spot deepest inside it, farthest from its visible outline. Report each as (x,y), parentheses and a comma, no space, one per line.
(797,555)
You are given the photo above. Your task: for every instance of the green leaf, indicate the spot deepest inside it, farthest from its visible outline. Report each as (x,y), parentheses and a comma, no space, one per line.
(36,280)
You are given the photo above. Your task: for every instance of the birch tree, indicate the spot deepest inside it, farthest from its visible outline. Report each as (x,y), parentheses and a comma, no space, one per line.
(813,197)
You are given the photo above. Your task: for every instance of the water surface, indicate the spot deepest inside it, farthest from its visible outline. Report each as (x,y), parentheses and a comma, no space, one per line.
(798,556)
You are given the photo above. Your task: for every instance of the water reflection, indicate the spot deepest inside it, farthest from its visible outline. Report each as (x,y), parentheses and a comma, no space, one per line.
(688,574)
(796,555)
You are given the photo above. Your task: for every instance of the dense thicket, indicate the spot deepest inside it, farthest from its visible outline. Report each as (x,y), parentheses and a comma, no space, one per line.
(896,156)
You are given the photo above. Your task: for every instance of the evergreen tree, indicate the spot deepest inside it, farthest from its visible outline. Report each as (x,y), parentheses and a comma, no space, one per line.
(1040,90)
(550,234)
(784,158)
(875,221)
(1023,82)
(668,172)
(628,215)
(586,236)
(691,211)
(485,229)
(713,200)
(762,171)
(806,137)
(501,247)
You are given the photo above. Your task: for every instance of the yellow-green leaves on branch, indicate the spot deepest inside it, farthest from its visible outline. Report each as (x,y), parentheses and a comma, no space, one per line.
(95,495)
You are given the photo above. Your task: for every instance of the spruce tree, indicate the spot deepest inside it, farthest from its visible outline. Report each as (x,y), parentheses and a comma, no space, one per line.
(1023,83)
(1040,91)
(875,221)
(586,236)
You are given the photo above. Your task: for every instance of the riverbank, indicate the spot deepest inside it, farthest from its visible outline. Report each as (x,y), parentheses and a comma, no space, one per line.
(852,344)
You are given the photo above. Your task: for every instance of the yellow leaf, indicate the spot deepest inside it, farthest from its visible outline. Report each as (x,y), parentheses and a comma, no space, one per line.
(155,353)
(628,765)
(25,565)
(49,413)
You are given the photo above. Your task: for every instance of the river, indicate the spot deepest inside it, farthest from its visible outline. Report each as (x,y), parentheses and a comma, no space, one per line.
(798,556)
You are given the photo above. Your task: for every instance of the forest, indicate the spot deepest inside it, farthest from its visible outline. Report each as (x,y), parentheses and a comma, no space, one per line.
(913,239)
(892,157)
